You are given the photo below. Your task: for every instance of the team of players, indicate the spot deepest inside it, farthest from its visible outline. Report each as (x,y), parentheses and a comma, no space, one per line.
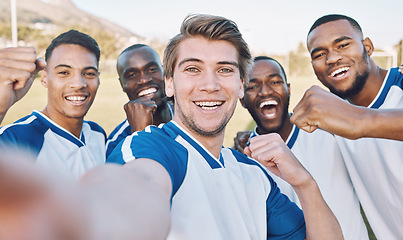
(67,144)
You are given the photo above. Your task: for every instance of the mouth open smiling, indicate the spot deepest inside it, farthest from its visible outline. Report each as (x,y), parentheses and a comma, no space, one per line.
(341,72)
(269,108)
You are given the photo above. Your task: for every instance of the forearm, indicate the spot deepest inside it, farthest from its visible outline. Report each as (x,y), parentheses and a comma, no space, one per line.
(319,219)
(124,205)
(382,123)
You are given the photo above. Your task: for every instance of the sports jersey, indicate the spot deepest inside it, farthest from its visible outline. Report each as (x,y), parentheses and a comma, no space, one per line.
(122,131)
(55,148)
(375,166)
(231,197)
(319,154)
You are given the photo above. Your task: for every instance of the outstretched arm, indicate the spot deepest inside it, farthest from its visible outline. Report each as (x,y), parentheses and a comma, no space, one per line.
(128,202)
(18,69)
(272,152)
(321,109)
(109,202)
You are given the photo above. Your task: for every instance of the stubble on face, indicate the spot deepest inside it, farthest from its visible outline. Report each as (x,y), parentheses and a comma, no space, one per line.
(356,86)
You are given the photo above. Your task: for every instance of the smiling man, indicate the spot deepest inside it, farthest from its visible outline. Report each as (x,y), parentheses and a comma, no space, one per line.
(216,192)
(267,96)
(58,135)
(141,77)
(341,59)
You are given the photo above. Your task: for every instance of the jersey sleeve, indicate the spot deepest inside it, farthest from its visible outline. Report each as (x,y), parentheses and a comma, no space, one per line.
(157,146)
(285,219)
(26,137)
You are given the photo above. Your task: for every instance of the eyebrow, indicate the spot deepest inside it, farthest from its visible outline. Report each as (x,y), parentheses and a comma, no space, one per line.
(68,66)
(200,61)
(337,40)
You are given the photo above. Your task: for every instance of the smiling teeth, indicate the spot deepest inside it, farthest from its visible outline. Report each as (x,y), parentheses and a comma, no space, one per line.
(209,105)
(267,103)
(147,91)
(76,98)
(339,71)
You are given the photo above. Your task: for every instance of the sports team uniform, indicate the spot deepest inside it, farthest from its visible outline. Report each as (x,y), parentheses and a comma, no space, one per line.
(319,154)
(375,166)
(232,197)
(121,132)
(55,148)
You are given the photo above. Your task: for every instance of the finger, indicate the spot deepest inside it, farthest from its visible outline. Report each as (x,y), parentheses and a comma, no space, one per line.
(40,64)
(247,152)
(28,56)
(18,64)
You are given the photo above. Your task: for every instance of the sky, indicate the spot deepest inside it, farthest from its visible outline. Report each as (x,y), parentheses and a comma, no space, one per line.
(269,27)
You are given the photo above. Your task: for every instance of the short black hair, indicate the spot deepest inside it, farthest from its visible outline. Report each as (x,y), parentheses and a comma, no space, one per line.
(77,38)
(334,17)
(135,46)
(259,58)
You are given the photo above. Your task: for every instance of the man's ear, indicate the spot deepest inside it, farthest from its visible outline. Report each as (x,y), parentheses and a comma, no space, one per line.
(44,78)
(369,46)
(241,91)
(169,88)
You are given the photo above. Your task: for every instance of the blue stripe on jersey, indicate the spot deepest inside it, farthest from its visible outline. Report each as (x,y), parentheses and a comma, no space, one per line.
(285,219)
(61,132)
(117,135)
(96,127)
(394,78)
(27,132)
(210,160)
(293,137)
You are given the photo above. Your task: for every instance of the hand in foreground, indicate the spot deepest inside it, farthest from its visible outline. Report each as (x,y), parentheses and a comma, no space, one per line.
(140,112)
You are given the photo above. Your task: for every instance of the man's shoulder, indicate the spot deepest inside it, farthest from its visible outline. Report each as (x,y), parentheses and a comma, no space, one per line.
(95,127)
(25,126)
(121,131)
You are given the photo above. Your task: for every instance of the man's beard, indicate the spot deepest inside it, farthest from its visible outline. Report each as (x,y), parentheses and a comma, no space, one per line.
(358,84)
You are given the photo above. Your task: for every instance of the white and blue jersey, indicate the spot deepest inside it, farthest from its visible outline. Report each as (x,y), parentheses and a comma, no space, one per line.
(56,149)
(375,166)
(121,132)
(232,197)
(319,154)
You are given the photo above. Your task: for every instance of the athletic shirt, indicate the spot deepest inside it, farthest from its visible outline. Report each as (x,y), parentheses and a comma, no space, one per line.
(376,167)
(232,197)
(56,149)
(121,132)
(319,154)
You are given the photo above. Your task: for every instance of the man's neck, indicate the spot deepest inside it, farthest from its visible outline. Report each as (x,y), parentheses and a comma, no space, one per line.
(372,86)
(162,115)
(72,125)
(213,144)
(284,131)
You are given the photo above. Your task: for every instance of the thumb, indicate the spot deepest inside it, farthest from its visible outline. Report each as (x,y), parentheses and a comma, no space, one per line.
(247,151)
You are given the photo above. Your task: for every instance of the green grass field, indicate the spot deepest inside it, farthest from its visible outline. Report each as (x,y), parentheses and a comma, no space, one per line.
(107,109)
